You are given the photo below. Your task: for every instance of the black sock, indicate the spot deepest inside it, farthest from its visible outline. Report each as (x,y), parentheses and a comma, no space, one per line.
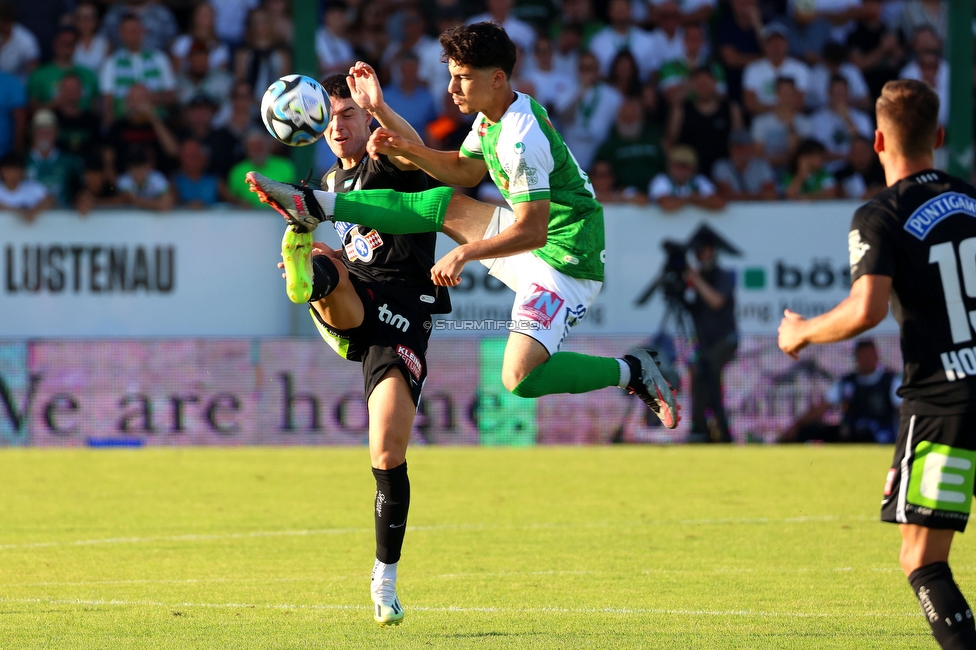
(944,606)
(390,514)
(635,371)
(325,277)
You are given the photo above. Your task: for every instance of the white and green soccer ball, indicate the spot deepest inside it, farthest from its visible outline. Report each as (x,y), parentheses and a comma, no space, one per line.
(295,109)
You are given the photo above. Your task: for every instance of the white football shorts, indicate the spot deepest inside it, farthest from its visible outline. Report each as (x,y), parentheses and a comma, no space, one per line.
(548,303)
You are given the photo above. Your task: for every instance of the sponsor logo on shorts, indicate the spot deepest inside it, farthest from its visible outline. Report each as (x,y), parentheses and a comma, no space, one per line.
(411,360)
(890,481)
(574,316)
(394,320)
(541,305)
(942,477)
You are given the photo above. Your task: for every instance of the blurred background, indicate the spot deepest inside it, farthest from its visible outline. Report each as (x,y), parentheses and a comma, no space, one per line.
(729,141)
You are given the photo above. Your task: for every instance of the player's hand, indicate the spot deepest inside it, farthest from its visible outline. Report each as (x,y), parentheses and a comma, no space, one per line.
(790,339)
(318,248)
(386,142)
(447,271)
(365,87)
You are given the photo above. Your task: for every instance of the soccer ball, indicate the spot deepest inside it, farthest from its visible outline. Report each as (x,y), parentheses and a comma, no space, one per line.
(295,110)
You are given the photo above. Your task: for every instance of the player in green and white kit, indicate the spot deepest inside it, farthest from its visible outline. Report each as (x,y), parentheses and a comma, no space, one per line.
(549,248)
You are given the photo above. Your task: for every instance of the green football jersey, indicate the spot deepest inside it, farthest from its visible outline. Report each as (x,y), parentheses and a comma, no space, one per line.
(528,161)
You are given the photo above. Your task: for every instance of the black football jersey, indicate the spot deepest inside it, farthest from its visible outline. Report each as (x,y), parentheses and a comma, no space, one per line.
(921,232)
(398,260)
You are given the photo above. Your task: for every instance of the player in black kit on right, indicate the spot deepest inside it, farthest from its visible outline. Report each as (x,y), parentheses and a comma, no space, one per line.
(915,243)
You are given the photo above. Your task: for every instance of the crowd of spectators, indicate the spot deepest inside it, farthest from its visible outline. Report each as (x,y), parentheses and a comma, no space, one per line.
(154,104)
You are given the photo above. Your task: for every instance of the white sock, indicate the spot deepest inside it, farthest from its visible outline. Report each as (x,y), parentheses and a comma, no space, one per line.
(326,201)
(387,571)
(624,373)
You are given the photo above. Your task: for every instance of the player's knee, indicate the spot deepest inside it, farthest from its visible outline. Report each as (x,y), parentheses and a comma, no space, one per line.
(511,378)
(387,459)
(911,557)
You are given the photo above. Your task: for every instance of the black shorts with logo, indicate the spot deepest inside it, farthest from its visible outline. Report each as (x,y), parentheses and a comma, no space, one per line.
(392,335)
(930,482)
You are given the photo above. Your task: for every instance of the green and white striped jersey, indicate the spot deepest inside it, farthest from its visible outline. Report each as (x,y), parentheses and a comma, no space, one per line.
(528,161)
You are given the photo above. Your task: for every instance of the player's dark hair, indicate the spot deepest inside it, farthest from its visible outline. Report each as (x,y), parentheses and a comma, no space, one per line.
(481,45)
(908,115)
(335,86)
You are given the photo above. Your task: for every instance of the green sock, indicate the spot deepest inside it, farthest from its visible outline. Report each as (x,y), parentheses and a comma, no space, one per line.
(396,213)
(569,372)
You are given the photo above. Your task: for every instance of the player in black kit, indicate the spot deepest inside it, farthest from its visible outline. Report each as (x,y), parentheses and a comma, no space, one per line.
(372,302)
(915,244)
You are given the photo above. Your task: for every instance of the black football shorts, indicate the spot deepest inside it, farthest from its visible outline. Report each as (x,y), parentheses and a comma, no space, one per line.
(392,335)
(930,482)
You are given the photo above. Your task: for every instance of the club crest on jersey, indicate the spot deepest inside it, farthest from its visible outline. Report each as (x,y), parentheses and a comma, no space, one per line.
(482,129)
(928,215)
(541,305)
(361,247)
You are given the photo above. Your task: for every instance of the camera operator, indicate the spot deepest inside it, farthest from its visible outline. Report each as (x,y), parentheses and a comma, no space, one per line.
(710,301)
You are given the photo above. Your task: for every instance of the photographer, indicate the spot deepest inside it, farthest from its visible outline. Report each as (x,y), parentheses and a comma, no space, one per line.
(710,300)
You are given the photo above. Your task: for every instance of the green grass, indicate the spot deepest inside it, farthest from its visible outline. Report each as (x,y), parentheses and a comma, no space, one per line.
(622,547)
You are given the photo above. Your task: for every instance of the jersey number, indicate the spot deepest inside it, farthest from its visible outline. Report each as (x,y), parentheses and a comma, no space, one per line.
(945,256)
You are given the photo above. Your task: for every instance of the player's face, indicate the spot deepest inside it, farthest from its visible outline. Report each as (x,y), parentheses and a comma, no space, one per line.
(472,89)
(348,129)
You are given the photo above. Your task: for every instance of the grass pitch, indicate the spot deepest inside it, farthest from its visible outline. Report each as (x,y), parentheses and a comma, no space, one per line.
(622,547)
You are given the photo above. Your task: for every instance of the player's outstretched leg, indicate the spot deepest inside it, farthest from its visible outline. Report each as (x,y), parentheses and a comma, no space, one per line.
(571,372)
(388,211)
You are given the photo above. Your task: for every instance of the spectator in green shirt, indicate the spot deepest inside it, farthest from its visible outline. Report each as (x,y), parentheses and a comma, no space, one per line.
(56,170)
(257,144)
(674,77)
(633,148)
(808,178)
(42,86)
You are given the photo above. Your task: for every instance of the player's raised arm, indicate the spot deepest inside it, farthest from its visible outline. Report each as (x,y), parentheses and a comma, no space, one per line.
(528,233)
(367,93)
(450,167)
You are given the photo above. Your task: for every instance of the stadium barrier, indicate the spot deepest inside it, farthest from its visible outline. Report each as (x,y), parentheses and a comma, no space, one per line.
(131,328)
(213,273)
(135,392)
